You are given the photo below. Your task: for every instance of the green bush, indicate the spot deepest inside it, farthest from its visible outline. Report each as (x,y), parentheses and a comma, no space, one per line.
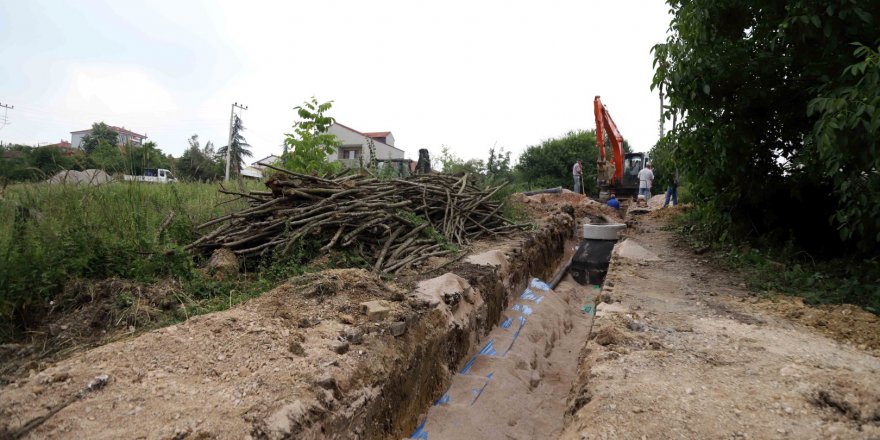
(50,234)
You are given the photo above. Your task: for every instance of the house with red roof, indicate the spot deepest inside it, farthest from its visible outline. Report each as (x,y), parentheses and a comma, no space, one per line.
(355,145)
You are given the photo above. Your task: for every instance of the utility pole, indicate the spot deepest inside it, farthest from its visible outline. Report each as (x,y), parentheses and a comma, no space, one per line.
(4,120)
(229,144)
(662,132)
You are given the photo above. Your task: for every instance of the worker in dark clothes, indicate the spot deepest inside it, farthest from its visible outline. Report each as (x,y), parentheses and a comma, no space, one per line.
(612,202)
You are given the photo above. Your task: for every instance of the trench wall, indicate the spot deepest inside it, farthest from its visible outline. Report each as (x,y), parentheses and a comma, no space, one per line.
(417,367)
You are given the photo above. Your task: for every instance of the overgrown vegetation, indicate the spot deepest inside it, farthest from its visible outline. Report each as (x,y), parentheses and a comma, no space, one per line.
(781,152)
(52,234)
(788,269)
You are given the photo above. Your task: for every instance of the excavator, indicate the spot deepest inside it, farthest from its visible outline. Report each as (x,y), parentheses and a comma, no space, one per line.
(622,176)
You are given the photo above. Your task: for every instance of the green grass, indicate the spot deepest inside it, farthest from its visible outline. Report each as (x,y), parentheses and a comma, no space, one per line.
(71,232)
(771,268)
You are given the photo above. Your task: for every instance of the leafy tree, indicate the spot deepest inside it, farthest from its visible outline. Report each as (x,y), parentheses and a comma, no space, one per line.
(199,163)
(786,140)
(239,147)
(846,138)
(498,165)
(449,163)
(307,148)
(109,158)
(549,163)
(100,132)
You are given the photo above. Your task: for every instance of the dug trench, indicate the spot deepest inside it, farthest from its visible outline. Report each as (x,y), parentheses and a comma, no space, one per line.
(337,354)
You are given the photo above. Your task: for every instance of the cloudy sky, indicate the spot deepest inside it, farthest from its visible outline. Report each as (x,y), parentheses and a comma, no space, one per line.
(465,74)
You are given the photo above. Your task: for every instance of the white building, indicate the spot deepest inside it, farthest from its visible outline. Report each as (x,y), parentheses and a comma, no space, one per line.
(123,137)
(355,145)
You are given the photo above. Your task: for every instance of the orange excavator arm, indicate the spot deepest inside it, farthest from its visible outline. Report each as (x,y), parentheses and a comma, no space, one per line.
(604,123)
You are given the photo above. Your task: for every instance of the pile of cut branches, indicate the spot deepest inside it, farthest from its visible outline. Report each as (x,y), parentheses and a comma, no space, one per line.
(400,223)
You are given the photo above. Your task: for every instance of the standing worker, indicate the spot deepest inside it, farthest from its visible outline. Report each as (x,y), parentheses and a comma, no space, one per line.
(672,190)
(576,173)
(646,179)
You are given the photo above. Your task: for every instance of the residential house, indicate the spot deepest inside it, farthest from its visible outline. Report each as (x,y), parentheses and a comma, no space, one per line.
(355,145)
(255,170)
(124,137)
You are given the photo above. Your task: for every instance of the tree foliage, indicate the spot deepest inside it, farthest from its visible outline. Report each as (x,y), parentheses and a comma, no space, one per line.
(741,76)
(199,163)
(450,163)
(307,148)
(549,163)
(101,132)
(239,147)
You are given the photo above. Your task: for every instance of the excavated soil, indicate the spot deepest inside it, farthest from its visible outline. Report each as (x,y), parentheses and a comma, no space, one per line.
(337,354)
(539,205)
(682,351)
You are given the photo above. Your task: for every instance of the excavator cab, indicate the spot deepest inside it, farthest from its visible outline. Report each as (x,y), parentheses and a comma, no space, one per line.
(632,164)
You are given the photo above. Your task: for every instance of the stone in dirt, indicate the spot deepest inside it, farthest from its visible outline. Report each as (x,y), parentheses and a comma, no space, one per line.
(398,328)
(375,310)
(631,250)
(610,335)
(354,335)
(296,348)
(223,264)
(282,422)
(339,347)
(494,258)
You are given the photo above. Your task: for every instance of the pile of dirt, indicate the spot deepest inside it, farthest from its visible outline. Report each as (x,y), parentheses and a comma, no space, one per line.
(843,322)
(667,212)
(540,205)
(91,177)
(657,201)
(631,250)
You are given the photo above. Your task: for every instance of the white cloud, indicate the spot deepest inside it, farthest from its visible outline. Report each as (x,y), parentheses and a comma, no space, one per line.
(117,91)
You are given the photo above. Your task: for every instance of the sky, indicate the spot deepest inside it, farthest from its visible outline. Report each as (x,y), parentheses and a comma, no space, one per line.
(468,75)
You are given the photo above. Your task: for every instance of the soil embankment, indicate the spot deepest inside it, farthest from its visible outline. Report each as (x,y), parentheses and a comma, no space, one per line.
(339,355)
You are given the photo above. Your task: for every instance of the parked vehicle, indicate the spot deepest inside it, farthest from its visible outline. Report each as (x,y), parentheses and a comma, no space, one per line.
(153,175)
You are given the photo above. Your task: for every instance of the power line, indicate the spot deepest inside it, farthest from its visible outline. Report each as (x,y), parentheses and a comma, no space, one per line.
(4,120)
(229,144)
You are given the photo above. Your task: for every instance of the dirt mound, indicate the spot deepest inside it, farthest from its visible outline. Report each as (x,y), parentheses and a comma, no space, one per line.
(540,205)
(86,177)
(844,322)
(657,201)
(667,212)
(631,250)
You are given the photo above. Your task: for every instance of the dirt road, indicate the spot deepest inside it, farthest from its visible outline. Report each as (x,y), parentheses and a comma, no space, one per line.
(683,351)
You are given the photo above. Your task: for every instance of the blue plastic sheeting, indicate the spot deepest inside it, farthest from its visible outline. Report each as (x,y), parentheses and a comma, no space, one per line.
(489,349)
(522,308)
(540,285)
(420,433)
(529,295)
(522,323)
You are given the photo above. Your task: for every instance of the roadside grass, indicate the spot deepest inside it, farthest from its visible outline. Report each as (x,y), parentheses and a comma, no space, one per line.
(51,234)
(773,269)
